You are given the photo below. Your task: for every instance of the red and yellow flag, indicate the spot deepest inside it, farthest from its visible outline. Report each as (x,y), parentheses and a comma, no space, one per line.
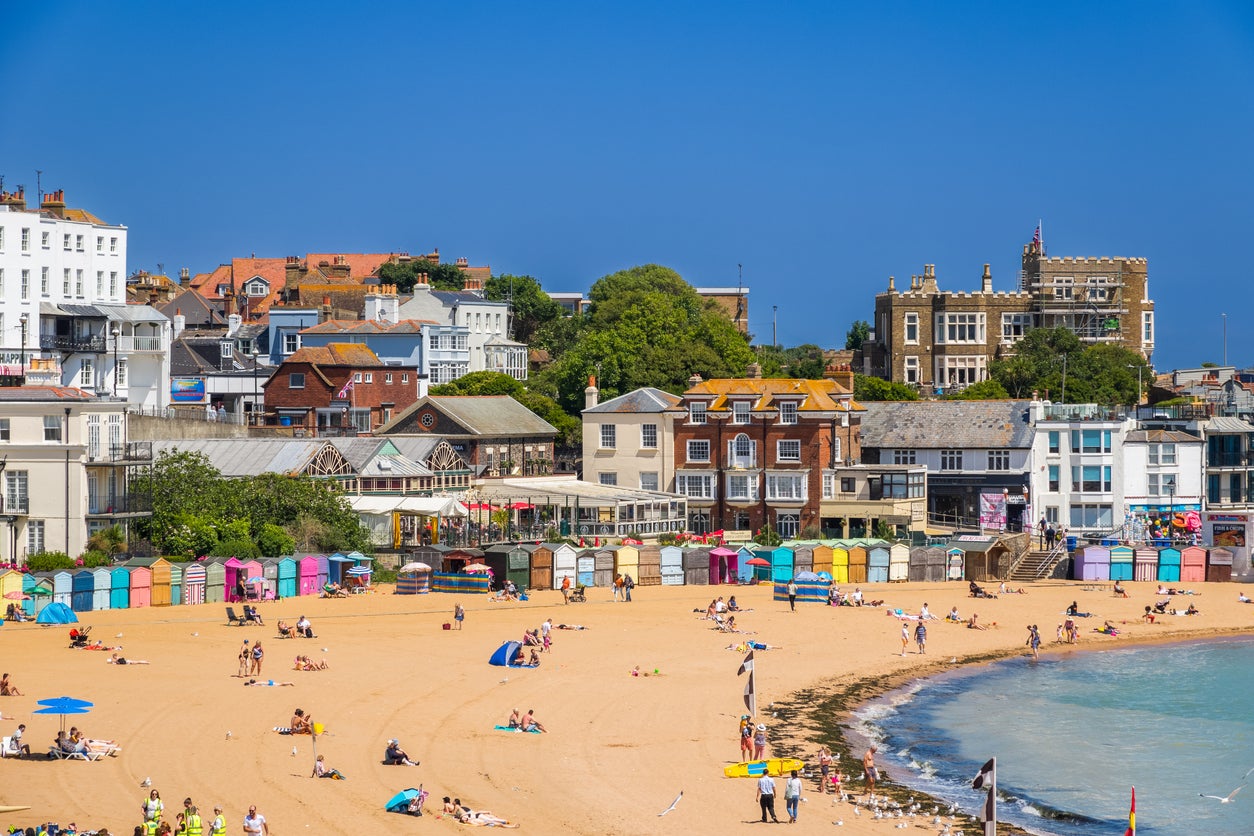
(1131,831)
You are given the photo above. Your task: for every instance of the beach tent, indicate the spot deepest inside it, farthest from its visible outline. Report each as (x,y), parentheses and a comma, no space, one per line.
(119,588)
(858,564)
(918,564)
(1145,564)
(102,586)
(231,578)
(399,803)
(724,565)
(1219,566)
(289,573)
(956,568)
(307,575)
(603,566)
(898,562)
(585,567)
(57,613)
(627,561)
(840,562)
(1169,565)
(877,559)
(1121,563)
(63,587)
(83,590)
(1192,564)
(542,567)
(194,583)
(672,566)
(141,586)
(177,571)
(215,581)
(811,589)
(1092,563)
(822,559)
(505,654)
(696,563)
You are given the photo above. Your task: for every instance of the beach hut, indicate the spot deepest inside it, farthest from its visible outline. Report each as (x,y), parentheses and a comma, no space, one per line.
(162,576)
(937,564)
(781,558)
(270,572)
(194,583)
(40,590)
(1121,563)
(251,569)
(519,570)
(289,577)
(215,581)
(1092,563)
(802,557)
(858,565)
(1219,566)
(1145,564)
(63,587)
(627,561)
(956,564)
(564,563)
(324,570)
(585,567)
(102,587)
(141,586)
(917,570)
(877,562)
(496,558)
(10,585)
(231,578)
(432,555)
(898,562)
(178,570)
(744,572)
(840,562)
(82,590)
(672,566)
(1192,564)
(307,575)
(650,566)
(696,565)
(119,588)
(1169,565)
(338,563)
(542,567)
(724,565)
(603,566)
(822,557)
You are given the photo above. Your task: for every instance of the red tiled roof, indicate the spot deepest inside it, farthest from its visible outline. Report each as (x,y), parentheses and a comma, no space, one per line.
(360,265)
(359,326)
(335,354)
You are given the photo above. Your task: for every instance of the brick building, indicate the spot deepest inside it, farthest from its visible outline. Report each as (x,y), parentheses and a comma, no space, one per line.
(751,451)
(338,389)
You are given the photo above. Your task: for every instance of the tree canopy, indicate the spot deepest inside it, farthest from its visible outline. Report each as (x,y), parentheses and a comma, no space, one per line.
(857,334)
(867,388)
(803,361)
(1102,373)
(404,274)
(530,306)
(985,390)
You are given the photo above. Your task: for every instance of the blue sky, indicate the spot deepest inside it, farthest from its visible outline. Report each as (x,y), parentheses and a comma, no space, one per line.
(823,146)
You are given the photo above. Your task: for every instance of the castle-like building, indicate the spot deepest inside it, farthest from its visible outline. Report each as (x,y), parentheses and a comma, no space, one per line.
(944,340)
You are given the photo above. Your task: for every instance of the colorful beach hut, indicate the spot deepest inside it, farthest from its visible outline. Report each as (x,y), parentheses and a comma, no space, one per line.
(724,565)
(956,564)
(232,579)
(324,570)
(40,590)
(898,562)
(270,572)
(119,588)
(585,567)
(1219,566)
(141,586)
(822,559)
(542,567)
(858,565)
(102,587)
(840,562)
(802,556)
(338,563)
(177,571)
(877,561)
(10,584)
(627,561)
(650,566)
(289,577)
(82,590)
(520,565)
(63,588)
(1145,564)
(252,569)
(307,575)
(744,572)
(194,583)
(781,561)
(215,581)
(1092,563)
(1192,564)
(1169,565)
(672,566)
(1122,563)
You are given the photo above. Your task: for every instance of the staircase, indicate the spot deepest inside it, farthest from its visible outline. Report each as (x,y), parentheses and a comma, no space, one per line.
(1035,565)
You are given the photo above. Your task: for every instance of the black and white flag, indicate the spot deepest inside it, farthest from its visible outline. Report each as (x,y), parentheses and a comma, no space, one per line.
(987,779)
(987,776)
(751,697)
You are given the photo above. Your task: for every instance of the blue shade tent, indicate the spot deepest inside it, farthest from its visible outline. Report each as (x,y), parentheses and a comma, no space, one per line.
(505,654)
(57,613)
(399,803)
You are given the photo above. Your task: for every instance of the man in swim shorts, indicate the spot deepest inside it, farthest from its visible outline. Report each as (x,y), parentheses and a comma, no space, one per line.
(868,768)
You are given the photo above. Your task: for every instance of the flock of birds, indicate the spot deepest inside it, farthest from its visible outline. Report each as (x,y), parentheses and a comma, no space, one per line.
(882,807)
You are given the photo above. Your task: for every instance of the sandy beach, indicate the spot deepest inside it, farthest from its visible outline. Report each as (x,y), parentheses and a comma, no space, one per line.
(619,748)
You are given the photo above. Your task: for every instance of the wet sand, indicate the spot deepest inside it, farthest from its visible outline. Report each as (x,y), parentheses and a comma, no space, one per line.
(619,748)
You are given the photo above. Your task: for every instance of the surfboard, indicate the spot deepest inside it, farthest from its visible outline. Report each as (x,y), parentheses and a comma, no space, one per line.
(774,767)
(12,809)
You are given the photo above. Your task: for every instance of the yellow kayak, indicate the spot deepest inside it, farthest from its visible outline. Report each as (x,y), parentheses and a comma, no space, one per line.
(11,809)
(774,767)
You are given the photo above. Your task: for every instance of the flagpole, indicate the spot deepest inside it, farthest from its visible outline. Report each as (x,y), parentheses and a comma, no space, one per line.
(990,824)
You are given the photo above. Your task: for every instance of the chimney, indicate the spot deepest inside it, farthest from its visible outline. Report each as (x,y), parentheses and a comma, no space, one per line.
(840,374)
(695,380)
(987,284)
(324,313)
(291,272)
(180,322)
(754,372)
(421,282)
(54,202)
(928,285)
(340,268)
(470,282)
(232,324)
(591,394)
(185,277)
(15,200)
(228,302)
(892,285)
(383,305)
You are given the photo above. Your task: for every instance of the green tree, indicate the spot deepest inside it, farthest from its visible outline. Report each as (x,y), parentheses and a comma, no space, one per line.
(1102,373)
(857,334)
(109,540)
(273,541)
(867,388)
(530,306)
(985,390)
(496,383)
(803,361)
(404,274)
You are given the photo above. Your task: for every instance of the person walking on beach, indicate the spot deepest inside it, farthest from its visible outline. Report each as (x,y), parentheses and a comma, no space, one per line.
(792,595)
(566,589)
(245,659)
(792,796)
(759,742)
(825,768)
(618,587)
(1034,640)
(255,823)
(905,638)
(628,586)
(258,656)
(920,637)
(459,615)
(766,797)
(868,769)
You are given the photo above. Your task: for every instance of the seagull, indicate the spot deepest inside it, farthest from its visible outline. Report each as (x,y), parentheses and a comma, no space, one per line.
(293,751)
(228,735)
(1224,799)
(1247,774)
(147,782)
(839,822)
(673,804)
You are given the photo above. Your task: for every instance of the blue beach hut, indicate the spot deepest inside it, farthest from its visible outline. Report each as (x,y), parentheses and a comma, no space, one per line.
(102,586)
(119,588)
(82,590)
(289,571)
(1169,565)
(877,562)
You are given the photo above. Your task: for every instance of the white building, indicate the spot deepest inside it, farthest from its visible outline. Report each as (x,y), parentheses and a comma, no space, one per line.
(1078,466)
(63,313)
(486,323)
(1162,472)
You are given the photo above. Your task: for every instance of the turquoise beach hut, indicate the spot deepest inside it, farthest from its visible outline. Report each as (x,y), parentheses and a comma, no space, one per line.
(119,588)
(1121,563)
(781,561)
(1169,565)
(289,572)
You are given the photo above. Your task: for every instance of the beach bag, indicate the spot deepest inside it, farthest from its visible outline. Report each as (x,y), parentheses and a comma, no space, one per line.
(448,626)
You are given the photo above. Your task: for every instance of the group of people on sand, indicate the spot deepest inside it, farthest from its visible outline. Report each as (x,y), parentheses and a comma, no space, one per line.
(75,742)
(850,599)
(527,722)
(251,655)
(16,614)
(189,821)
(301,629)
(508,592)
(304,663)
(465,815)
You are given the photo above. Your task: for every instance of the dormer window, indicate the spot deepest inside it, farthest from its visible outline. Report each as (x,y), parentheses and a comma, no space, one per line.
(222,289)
(787,412)
(227,349)
(740,412)
(257,286)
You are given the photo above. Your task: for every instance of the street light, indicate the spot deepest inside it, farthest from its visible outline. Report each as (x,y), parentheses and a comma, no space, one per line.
(1138,368)
(24,319)
(256,354)
(116,333)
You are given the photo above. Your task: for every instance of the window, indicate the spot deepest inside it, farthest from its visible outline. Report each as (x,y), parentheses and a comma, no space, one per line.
(788,451)
(88,375)
(951,460)
(387,378)
(113,245)
(695,486)
(93,438)
(45,239)
(911,367)
(912,328)
(4,429)
(25,285)
(16,499)
(99,243)
(696,413)
(836,449)
(648,436)
(1053,442)
(998,459)
(78,243)
(847,484)
(1090,441)
(1090,478)
(958,372)
(65,242)
(1162,454)
(1015,326)
(100,283)
(904,457)
(52,428)
(405,378)
(648,481)
(1054,480)
(960,328)
(740,412)
(113,283)
(226,349)
(1091,516)
(1163,484)
(25,239)
(609,436)
(291,342)
(790,487)
(121,371)
(788,412)
(43,281)
(1,238)
(829,485)
(296,380)
(1147,327)
(35,537)
(78,283)
(65,282)
(257,288)
(609,478)
(741,452)
(1062,288)
(369,377)
(698,450)
(356,377)
(742,486)
(787,525)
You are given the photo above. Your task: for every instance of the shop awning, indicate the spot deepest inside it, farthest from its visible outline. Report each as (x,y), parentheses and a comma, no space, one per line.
(426,506)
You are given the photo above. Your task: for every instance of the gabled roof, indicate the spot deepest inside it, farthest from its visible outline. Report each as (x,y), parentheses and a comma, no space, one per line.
(947,425)
(481,415)
(814,395)
(644,400)
(368,326)
(335,354)
(201,353)
(366,455)
(195,308)
(44,393)
(235,457)
(1160,436)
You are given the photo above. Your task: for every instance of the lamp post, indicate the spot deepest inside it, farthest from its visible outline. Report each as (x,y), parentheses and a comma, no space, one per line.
(1171,509)
(115,333)
(24,319)
(1064,379)
(256,355)
(1138,368)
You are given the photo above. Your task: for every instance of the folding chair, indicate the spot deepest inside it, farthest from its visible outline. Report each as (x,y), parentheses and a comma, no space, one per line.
(233,619)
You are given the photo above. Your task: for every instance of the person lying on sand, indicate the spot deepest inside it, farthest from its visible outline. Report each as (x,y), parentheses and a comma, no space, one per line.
(115,659)
(973,623)
(270,684)
(571,627)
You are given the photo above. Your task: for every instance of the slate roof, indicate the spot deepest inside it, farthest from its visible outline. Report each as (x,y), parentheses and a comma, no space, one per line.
(202,353)
(196,309)
(641,401)
(364,455)
(452,298)
(481,415)
(1160,436)
(368,326)
(235,457)
(1224,424)
(947,424)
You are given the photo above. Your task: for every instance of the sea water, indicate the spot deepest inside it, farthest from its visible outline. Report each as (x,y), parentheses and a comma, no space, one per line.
(1074,732)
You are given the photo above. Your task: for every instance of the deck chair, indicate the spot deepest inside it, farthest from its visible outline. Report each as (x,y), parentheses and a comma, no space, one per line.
(6,748)
(232,619)
(54,752)
(251,616)
(577,596)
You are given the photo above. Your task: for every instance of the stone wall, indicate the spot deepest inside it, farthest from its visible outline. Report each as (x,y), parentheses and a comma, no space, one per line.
(150,428)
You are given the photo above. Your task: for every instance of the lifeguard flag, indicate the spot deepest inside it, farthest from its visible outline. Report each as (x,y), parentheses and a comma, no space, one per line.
(751,695)
(1131,831)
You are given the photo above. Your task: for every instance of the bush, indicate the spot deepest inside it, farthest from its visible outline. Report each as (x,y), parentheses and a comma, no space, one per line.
(667,538)
(274,541)
(243,549)
(93,558)
(50,562)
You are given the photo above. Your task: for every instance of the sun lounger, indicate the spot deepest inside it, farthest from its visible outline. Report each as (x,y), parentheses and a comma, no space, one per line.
(232,618)
(55,753)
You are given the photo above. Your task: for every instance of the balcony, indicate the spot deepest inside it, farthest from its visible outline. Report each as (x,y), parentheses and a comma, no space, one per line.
(85,343)
(129,345)
(136,452)
(126,505)
(15,505)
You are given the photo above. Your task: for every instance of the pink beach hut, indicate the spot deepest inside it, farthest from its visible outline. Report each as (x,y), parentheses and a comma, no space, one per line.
(141,587)
(232,579)
(309,575)
(1192,564)
(1145,564)
(251,569)
(724,563)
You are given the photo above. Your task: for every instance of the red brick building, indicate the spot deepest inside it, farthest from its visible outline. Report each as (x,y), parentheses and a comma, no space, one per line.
(753,451)
(338,389)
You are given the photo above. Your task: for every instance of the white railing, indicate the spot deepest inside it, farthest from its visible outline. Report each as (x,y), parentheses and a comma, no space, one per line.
(128,344)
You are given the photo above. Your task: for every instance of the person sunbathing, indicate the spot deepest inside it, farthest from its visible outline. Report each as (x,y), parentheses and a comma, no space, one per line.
(1242,598)
(286,631)
(115,659)
(515,719)
(1192,610)
(973,622)
(532,638)
(7,688)
(269,684)
(732,606)
(1107,629)
(529,722)
(301,723)
(304,663)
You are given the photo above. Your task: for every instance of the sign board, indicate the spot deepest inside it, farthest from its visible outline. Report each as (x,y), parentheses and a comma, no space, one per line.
(187,389)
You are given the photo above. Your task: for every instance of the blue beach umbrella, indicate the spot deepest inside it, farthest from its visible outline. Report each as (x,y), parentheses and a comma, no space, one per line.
(359,571)
(399,803)
(63,706)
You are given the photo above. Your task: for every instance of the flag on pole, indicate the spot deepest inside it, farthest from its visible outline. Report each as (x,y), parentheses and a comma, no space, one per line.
(348,387)
(988,778)
(751,697)
(1131,831)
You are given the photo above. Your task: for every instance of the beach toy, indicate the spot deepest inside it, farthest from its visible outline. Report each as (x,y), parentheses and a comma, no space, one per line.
(655,671)
(271,682)
(318,728)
